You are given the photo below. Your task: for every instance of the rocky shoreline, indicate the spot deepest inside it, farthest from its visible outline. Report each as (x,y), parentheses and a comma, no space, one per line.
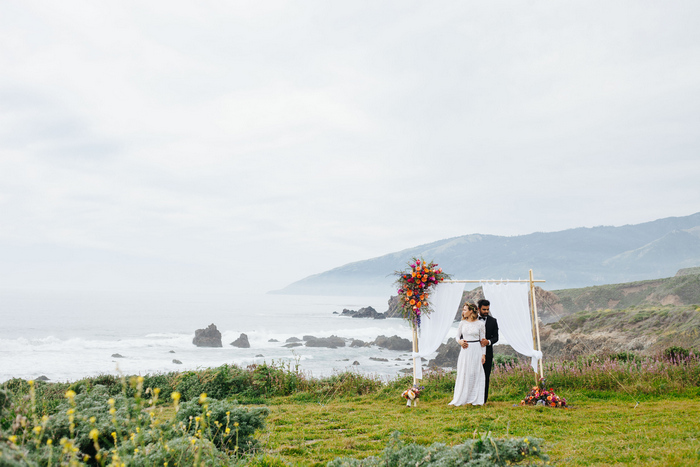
(211,337)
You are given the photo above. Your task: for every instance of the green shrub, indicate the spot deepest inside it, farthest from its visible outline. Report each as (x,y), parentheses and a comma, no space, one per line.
(228,425)
(624,357)
(483,451)
(503,360)
(676,353)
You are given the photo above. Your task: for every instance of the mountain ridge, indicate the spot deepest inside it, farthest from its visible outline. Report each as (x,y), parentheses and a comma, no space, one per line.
(571,258)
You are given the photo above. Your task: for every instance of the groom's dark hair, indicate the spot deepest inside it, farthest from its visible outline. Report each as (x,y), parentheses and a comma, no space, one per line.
(483,302)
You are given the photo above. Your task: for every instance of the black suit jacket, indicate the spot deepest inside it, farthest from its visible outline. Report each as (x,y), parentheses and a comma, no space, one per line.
(491,334)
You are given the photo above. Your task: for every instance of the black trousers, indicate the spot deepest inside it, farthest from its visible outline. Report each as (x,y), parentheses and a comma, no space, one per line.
(487,372)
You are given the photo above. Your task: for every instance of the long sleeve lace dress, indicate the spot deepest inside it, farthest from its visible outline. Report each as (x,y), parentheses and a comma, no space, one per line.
(471,380)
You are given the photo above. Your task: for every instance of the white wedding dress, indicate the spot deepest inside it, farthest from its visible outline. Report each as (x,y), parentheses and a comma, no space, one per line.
(471,381)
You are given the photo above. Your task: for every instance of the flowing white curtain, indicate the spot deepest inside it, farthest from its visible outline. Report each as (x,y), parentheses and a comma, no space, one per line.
(433,328)
(509,305)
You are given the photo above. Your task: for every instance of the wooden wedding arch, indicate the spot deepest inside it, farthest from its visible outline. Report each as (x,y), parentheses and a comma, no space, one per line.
(533,318)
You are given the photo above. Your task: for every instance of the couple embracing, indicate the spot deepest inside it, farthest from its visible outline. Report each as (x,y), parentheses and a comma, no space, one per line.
(477,333)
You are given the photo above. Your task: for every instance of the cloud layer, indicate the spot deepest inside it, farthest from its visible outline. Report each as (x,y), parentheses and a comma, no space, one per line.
(246,145)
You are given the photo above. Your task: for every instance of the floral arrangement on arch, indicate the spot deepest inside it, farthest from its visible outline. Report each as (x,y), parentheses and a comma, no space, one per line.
(415,285)
(543,396)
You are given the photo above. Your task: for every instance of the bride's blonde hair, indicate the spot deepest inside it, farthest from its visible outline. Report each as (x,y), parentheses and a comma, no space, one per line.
(470,307)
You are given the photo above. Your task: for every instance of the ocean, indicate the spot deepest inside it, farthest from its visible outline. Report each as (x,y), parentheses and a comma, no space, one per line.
(68,335)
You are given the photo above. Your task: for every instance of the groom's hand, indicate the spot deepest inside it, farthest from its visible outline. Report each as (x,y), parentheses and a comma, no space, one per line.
(484,342)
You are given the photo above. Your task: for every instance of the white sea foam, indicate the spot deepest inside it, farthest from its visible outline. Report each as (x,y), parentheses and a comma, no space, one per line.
(58,338)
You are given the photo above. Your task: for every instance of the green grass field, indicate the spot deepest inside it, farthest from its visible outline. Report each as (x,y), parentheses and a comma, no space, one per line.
(605,430)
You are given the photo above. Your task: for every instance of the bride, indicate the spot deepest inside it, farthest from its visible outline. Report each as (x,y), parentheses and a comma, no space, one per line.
(469,386)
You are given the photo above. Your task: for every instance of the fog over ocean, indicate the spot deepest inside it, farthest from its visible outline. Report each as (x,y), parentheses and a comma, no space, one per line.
(68,335)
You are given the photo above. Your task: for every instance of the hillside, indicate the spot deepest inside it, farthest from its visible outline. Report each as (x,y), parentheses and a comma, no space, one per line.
(578,257)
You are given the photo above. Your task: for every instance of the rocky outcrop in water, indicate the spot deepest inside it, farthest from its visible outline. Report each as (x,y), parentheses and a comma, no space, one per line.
(208,337)
(241,342)
(331,342)
(366,312)
(393,343)
(448,353)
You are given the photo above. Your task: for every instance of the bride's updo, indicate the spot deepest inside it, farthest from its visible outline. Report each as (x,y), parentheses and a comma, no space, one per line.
(468,309)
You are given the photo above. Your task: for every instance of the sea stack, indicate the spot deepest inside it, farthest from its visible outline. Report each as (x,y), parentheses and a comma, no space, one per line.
(209,337)
(241,342)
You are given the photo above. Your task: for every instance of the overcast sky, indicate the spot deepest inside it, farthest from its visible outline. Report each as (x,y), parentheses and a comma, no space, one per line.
(245,145)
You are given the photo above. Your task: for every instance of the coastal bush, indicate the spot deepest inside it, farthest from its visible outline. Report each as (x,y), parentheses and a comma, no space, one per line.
(676,353)
(483,451)
(95,428)
(624,357)
(502,360)
(230,427)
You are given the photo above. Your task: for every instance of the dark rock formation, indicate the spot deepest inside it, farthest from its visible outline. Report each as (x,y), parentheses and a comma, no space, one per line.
(116,355)
(449,353)
(379,359)
(293,339)
(355,362)
(259,355)
(308,338)
(273,340)
(393,343)
(172,351)
(241,342)
(42,378)
(330,342)
(358,343)
(209,337)
(291,345)
(366,312)
(177,362)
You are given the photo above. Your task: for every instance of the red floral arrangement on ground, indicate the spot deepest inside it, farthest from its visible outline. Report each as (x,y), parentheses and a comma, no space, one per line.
(413,392)
(415,286)
(543,396)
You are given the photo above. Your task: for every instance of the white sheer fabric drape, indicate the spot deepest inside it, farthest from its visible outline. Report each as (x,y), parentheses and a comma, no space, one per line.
(433,328)
(509,305)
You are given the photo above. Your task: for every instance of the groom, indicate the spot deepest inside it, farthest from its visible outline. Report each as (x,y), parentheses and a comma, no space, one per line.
(491,338)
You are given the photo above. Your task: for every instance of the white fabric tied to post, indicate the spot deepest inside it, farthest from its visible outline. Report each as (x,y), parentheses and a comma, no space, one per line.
(509,305)
(444,301)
